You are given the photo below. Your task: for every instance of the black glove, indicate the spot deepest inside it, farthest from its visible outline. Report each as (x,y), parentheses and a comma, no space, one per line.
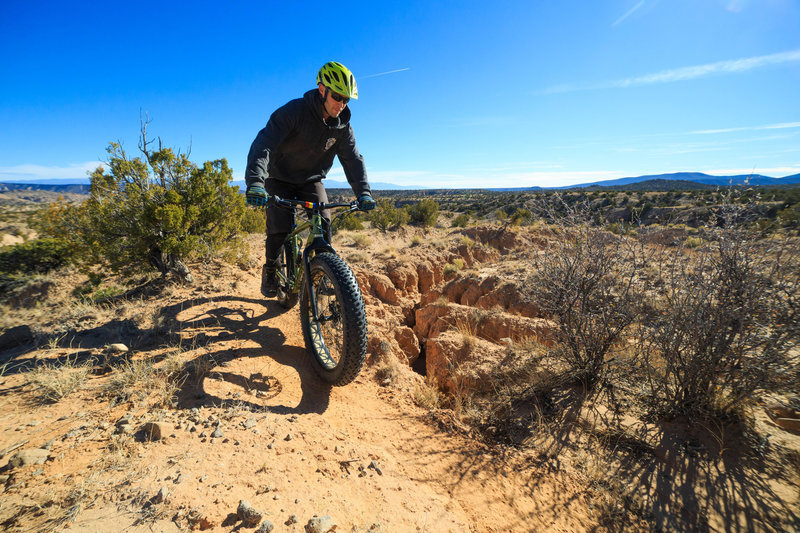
(256,195)
(365,202)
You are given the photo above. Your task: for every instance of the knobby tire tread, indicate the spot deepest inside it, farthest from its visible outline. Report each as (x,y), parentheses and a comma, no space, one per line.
(354,319)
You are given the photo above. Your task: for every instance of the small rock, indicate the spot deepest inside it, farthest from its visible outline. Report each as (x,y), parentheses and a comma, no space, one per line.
(249,515)
(292,520)
(162,495)
(117,348)
(288,437)
(155,430)
(123,420)
(265,527)
(178,479)
(28,457)
(320,524)
(217,434)
(270,446)
(789,424)
(250,422)
(4,479)
(124,429)
(374,466)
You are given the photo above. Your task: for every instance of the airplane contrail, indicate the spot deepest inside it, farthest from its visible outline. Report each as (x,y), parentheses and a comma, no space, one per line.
(384,73)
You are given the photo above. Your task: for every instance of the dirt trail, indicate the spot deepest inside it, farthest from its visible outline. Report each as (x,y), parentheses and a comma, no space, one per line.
(363,454)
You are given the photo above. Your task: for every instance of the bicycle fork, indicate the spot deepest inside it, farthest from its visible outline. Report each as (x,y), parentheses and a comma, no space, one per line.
(317,244)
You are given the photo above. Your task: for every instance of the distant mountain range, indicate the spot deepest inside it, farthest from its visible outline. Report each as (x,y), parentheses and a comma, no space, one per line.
(756,180)
(677,180)
(76,188)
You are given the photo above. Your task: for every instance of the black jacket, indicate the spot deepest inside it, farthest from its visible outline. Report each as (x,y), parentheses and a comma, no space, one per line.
(297,146)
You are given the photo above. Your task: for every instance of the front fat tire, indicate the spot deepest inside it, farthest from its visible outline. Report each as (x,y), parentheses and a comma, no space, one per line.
(337,346)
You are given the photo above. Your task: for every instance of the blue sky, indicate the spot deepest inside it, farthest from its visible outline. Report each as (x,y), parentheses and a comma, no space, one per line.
(452,94)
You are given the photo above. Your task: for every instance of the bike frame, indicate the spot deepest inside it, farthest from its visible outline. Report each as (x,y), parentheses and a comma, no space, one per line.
(315,243)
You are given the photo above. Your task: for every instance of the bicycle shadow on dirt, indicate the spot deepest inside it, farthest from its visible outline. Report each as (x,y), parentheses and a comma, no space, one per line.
(222,318)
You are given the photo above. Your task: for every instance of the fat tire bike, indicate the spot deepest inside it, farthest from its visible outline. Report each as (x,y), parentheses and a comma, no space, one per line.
(332,313)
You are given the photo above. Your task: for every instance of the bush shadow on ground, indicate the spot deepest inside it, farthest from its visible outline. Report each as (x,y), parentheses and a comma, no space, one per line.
(667,476)
(245,327)
(228,318)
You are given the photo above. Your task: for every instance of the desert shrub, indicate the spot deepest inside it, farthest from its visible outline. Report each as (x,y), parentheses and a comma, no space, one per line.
(350,222)
(521,216)
(693,242)
(424,213)
(388,217)
(155,211)
(584,279)
(725,325)
(460,221)
(36,256)
(254,221)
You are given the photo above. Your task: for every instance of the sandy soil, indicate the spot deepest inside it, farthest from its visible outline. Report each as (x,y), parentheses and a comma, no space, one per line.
(366,454)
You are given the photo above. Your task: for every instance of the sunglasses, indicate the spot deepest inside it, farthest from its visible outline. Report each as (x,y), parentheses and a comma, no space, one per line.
(338,97)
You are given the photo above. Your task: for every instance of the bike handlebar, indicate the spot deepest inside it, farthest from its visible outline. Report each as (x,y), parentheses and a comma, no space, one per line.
(273,199)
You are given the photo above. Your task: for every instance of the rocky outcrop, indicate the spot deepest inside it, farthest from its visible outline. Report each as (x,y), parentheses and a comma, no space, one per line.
(486,291)
(461,322)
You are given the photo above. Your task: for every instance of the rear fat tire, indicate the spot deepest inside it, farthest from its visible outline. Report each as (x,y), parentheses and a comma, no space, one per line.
(337,346)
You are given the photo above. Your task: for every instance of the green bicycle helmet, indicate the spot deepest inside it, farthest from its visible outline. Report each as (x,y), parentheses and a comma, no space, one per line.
(338,79)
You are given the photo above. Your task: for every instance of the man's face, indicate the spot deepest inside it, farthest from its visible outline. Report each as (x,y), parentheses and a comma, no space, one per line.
(334,103)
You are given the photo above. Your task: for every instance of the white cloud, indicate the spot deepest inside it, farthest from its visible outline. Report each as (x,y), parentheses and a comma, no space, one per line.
(685,73)
(39,173)
(383,73)
(781,126)
(775,172)
(628,13)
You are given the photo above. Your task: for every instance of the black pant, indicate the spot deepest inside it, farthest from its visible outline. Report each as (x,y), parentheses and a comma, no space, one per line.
(279,220)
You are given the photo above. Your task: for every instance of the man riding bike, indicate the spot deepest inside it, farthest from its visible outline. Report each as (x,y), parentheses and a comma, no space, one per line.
(294,152)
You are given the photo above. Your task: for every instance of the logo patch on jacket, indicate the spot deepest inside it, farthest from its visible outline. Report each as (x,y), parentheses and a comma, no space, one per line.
(330,143)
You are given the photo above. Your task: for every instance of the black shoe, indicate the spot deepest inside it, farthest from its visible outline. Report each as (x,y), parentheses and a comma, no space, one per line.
(269,283)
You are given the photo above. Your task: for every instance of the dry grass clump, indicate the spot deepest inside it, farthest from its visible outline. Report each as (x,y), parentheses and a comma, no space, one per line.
(361,240)
(427,394)
(466,241)
(357,257)
(53,382)
(453,267)
(142,379)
